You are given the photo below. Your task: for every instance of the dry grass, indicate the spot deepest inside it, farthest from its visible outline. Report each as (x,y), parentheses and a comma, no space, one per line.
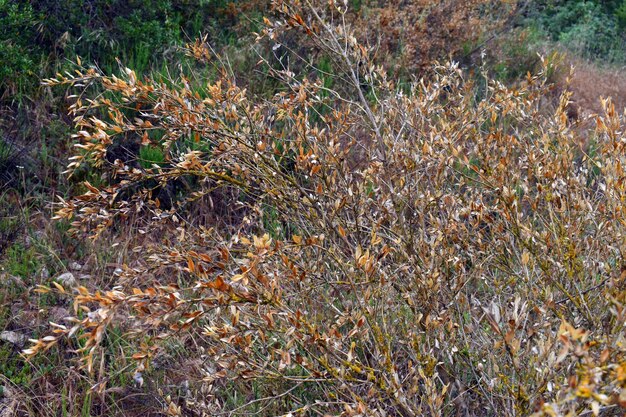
(590,82)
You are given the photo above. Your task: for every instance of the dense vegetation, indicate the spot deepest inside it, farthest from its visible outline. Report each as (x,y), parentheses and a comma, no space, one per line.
(593,29)
(347,208)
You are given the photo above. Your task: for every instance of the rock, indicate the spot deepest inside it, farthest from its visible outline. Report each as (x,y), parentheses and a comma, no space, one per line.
(14,280)
(45,274)
(138,378)
(75,266)
(8,401)
(67,280)
(15,338)
(23,316)
(58,314)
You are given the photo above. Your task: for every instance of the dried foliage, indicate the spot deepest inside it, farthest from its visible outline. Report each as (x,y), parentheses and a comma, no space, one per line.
(442,250)
(420,31)
(591,82)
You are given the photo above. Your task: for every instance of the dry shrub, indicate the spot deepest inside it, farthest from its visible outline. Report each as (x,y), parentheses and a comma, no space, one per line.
(417,32)
(430,252)
(404,36)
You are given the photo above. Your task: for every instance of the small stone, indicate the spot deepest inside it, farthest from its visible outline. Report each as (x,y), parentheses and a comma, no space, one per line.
(8,401)
(67,280)
(58,314)
(138,378)
(15,338)
(75,266)
(45,274)
(22,316)
(14,280)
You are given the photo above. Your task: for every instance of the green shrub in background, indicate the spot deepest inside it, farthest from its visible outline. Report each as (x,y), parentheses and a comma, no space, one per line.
(620,15)
(99,31)
(150,156)
(591,29)
(18,53)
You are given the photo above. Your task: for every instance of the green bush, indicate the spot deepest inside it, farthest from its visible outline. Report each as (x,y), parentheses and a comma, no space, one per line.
(590,29)
(100,31)
(151,155)
(17,51)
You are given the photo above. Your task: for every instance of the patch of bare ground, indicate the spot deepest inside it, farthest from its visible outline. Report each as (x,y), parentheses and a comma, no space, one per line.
(590,82)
